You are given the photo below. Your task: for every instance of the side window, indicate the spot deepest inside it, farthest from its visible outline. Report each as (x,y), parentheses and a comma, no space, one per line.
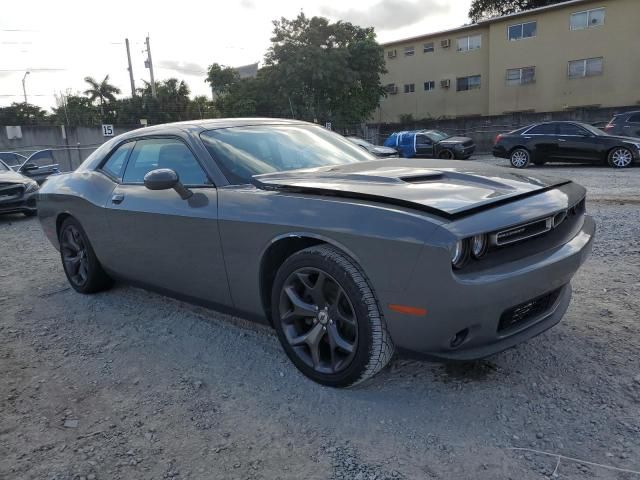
(152,153)
(570,129)
(544,129)
(423,140)
(115,164)
(634,118)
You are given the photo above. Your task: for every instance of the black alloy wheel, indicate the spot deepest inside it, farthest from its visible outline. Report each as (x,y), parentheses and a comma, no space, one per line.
(318,320)
(327,318)
(79,261)
(446,155)
(74,255)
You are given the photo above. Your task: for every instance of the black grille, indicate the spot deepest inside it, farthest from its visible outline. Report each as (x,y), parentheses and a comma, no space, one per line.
(11,192)
(528,310)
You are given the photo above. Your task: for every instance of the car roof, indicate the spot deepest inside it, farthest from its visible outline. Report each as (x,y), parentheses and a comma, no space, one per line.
(208,124)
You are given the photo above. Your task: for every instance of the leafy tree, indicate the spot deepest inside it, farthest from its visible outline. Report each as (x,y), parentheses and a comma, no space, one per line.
(75,110)
(171,103)
(201,107)
(23,114)
(325,71)
(102,91)
(221,78)
(481,9)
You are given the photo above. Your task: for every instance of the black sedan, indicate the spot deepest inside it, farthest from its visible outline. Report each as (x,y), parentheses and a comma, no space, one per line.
(17,192)
(565,142)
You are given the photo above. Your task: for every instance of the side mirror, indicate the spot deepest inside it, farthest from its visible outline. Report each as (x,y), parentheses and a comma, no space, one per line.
(165,179)
(29,166)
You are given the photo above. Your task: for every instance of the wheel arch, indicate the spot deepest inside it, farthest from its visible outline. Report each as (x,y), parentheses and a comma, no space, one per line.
(60,220)
(282,247)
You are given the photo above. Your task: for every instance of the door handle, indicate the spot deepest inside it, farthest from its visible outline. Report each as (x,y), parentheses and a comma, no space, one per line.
(561,140)
(117,198)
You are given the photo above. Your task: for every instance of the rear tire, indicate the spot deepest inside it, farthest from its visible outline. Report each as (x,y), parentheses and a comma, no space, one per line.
(80,264)
(520,158)
(620,157)
(327,318)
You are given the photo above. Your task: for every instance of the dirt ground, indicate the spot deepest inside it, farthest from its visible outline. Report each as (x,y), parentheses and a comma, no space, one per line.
(131,385)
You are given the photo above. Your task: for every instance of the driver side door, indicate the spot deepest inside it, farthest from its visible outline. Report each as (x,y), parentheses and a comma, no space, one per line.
(424,146)
(162,240)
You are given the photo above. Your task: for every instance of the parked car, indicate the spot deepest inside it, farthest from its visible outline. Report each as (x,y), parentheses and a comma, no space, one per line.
(625,124)
(346,256)
(17,192)
(565,142)
(38,165)
(377,150)
(431,144)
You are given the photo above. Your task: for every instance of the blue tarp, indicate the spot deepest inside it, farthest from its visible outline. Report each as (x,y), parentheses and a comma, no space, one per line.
(403,142)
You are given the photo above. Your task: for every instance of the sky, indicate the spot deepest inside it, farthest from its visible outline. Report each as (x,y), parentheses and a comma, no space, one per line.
(61,42)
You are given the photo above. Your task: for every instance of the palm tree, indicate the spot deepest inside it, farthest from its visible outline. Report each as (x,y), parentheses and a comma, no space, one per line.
(103,91)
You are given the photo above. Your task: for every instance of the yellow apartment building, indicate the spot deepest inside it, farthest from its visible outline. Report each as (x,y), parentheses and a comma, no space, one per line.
(581,53)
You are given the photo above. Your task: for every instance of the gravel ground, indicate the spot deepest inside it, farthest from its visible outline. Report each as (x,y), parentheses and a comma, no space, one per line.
(129,384)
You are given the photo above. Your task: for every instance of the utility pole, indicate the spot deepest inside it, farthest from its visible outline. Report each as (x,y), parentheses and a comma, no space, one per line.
(133,84)
(150,67)
(24,88)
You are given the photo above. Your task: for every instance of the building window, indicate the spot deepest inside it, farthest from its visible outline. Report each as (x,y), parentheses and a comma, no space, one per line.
(589,67)
(472,42)
(409,51)
(523,30)
(429,86)
(468,83)
(409,87)
(428,48)
(391,88)
(587,19)
(521,76)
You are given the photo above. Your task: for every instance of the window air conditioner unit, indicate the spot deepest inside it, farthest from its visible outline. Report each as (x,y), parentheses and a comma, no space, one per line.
(445,43)
(445,83)
(392,53)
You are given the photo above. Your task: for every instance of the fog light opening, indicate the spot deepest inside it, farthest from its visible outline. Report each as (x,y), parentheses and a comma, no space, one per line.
(459,338)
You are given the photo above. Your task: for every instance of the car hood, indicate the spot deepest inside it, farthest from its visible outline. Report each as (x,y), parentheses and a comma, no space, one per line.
(453,140)
(12,177)
(449,189)
(384,150)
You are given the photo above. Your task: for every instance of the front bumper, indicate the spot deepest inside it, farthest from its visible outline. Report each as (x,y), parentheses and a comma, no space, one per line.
(465,152)
(25,203)
(475,304)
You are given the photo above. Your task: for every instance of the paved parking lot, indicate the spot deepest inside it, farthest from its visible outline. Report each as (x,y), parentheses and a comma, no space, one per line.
(128,384)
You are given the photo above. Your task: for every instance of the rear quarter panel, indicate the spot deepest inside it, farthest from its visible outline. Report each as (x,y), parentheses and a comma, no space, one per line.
(81,194)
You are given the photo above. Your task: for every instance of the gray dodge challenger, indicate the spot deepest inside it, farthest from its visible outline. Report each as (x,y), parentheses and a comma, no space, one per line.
(347,256)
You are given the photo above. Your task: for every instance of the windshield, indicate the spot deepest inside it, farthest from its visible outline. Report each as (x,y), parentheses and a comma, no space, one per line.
(242,152)
(436,135)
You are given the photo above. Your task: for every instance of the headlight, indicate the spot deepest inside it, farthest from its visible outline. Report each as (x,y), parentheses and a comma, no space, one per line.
(31,187)
(479,246)
(460,254)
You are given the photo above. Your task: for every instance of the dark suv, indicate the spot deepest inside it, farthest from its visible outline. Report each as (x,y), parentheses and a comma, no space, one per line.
(625,124)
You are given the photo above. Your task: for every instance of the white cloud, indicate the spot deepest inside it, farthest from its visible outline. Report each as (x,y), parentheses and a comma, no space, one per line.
(87,38)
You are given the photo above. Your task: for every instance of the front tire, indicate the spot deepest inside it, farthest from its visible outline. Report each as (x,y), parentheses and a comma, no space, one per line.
(446,155)
(81,266)
(327,318)
(520,158)
(620,157)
